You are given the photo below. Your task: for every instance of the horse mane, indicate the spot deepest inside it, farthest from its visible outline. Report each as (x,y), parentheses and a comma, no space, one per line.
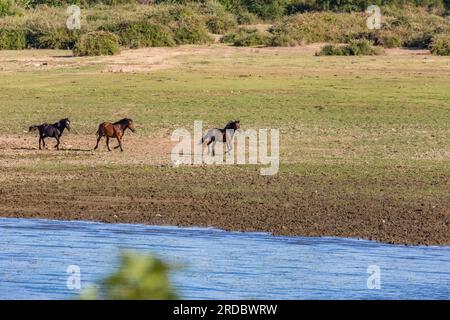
(61,124)
(124,120)
(230,123)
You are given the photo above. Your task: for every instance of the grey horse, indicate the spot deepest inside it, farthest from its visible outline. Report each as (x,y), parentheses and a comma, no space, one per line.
(224,135)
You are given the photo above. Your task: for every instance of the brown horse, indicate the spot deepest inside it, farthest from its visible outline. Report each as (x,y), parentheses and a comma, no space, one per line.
(114,130)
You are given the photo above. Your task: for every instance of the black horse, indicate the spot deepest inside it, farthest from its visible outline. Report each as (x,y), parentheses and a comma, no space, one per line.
(51,130)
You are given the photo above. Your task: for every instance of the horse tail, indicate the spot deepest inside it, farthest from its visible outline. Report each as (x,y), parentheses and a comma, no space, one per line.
(204,138)
(99,130)
(33,128)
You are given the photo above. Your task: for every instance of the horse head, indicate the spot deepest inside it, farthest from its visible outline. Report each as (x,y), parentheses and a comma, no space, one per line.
(65,123)
(234,125)
(130,125)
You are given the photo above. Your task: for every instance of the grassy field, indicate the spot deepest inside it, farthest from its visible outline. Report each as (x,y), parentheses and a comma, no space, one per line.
(365,145)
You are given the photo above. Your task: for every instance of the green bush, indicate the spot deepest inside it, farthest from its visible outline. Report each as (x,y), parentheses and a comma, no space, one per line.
(410,27)
(189,28)
(221,23)
(55,38)
(46,29)
(247,38)
(218,20)
(245,17)
(186,24)
(97,43)
(440,45)
(360,48)
(139,277)
(283,40)
(7,8)
(414,27)
(354,48)
(83,3)
(318,27)
(345,5)
(12,39)
(137,34)
(331,50)
(267,9)
(391,41)
(418,41)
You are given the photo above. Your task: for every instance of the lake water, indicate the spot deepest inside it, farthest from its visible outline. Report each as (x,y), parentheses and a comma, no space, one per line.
(35,254)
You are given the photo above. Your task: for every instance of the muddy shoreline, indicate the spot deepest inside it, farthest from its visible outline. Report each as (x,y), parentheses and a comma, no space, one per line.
(390,210)
(336,223)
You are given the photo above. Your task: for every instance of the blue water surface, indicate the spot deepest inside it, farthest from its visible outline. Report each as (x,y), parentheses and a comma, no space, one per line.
(35,254)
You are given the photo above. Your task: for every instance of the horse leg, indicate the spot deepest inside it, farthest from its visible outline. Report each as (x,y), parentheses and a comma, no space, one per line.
(107,143)
(57,142)
(213,150)
(40,139)
(229,147)
(209,148)
(98,140)
(43,142)
(120,144)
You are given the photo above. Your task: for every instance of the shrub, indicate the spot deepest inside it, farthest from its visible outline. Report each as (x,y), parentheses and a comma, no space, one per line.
(187,25)
(318,27)
(360,48)
(97,43)
(267,9)
(354,48)
(245,17)
(414,27)
(137,34)
(247,38)
(331,50)
(55,38)
(282,40)
(218,19)
(83,3)
(440,45)
(300,6)
(410,27)
(390,41)
(12,39)
(420,40)
(46,29)
(221,23)
(7,8)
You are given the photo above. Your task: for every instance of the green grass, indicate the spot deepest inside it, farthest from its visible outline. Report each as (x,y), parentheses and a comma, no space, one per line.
(367,94)
(334,112)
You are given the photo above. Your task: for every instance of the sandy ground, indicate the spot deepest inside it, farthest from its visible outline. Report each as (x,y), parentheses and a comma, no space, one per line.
(22,150)
(144,60)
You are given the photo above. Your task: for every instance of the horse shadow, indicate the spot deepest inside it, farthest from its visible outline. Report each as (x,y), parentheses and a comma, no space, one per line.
(61,149)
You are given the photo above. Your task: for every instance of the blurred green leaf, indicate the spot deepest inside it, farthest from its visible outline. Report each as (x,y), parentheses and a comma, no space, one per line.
(139,277)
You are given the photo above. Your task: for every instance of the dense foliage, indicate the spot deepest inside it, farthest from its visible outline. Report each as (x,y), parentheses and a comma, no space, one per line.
(97,43)
(174,22)
(354,48)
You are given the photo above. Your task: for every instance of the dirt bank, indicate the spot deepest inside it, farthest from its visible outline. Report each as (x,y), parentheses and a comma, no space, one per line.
(79,184)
